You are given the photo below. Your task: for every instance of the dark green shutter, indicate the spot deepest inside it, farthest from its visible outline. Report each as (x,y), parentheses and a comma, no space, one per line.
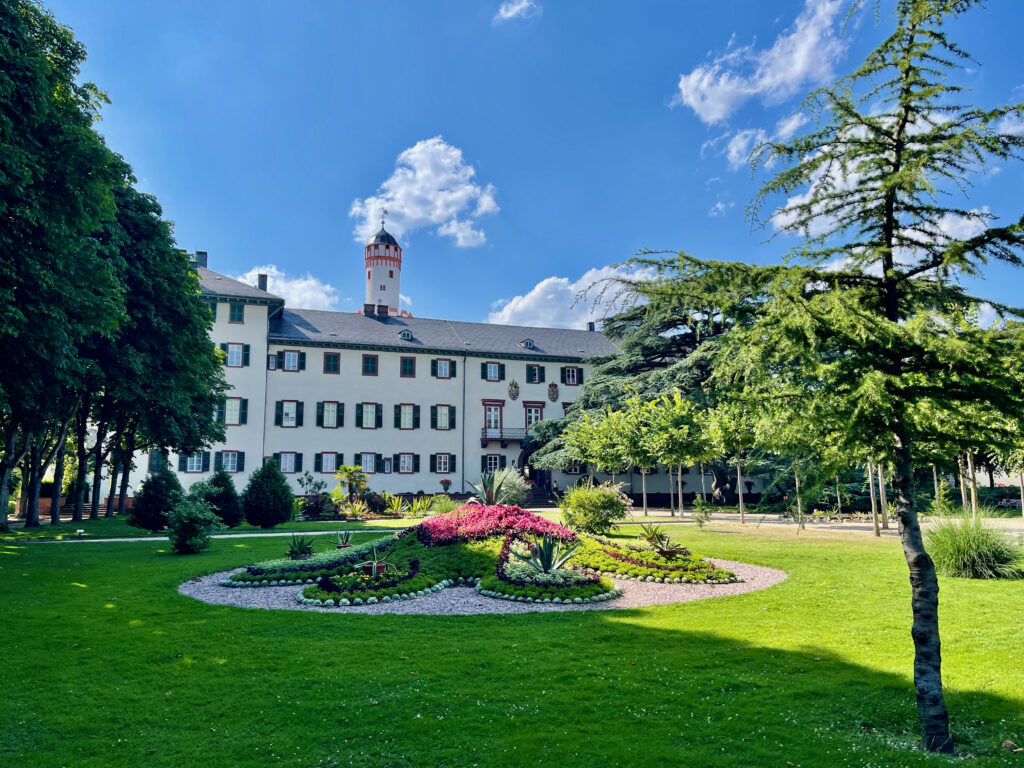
(415,417)
(278,413)
(540,370)
(380,416)
(206,461)
(501,371)
(224,349)
(339,459)
(280,360)
(433,368)
(433,463)
(241,462)
(451,367)
(154,461)
(563,373)
(378,463)
(302,361)
(579,375)
(483,463)
(483,370)
(213,310)
(415,462)
(398,416)
(318,462)
(243,411)
(433,417)
(245,355)
(218,411)
(298,462)
(451,462)
(451,417)
(182,462)
(299,408)
(359,415)
(218,461)
(341,414)
(504,461)
(319,414)
(395,462)
(357,459)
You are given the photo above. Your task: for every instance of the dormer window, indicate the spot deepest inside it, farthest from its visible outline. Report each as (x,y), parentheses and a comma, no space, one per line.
(527,343)
(406,335)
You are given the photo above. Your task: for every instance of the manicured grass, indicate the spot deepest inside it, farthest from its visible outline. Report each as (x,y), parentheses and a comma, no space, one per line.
(106,664)
(117,527)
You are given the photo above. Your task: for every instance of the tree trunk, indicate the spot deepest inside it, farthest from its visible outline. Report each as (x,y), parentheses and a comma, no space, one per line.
(126,469)
(35,484)
(97,470)
(1020,478)
(643,486)
(739,487)
(83,462)
(839,497)
(671,505)
(963,482)
(874,504)
(58,485)
(935,481)
(882,500)
(924,584)
(703,484)
(974,484)
(799,501)
(115,468)
(679,488)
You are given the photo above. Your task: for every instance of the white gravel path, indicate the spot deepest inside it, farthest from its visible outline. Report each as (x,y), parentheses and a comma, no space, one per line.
(463,601)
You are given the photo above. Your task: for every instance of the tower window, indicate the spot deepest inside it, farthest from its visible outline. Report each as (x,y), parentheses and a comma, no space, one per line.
(391,273)
(367,274)
(383,287)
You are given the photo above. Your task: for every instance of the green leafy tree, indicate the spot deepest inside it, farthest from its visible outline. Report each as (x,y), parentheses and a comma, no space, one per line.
(192,524)
(851,327)
(267,500)
(682,434)
(157,496)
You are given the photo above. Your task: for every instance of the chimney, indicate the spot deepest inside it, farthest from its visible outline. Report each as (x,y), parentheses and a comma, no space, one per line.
(591,325)
(369,310)
(261,281)
(201,258)
(382,311)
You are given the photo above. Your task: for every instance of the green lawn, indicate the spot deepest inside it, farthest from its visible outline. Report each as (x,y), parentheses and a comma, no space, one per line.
(106,664)
(117,527)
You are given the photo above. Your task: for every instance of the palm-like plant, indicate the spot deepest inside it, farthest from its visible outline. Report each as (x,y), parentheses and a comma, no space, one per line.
(376,563)
(397,505)
(547,554)
(488,490)
(651,533)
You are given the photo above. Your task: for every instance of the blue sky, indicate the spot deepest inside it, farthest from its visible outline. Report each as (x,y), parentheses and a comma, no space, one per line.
(521,147)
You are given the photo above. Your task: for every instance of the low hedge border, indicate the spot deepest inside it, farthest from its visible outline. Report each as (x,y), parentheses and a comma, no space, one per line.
(686,579)
(598,598)
(342,602)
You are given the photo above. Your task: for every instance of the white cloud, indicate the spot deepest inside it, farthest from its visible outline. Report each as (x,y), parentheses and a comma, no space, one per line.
(552,303)
(432,187)
(802,55)
(719,208)
(787,126)
(1012,124)
(738,149)
(402,298)
(517,9)
(958,227)
(303,292)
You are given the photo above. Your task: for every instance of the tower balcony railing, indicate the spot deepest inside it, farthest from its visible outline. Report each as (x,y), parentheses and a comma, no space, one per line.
(504,434)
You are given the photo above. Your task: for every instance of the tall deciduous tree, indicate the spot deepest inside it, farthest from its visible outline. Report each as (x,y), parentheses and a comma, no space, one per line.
(854,321)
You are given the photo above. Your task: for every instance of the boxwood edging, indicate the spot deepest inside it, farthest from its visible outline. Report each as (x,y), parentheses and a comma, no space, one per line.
(344,602)
(599,598)
(660,580)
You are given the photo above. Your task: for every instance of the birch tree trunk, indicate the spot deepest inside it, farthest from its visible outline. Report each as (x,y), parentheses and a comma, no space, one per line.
(874,504)
(974,484)
(799,501)
(882,499)
(679,487)
(643,486)
(739,488)
(839,497)
(935,481)
(703,484)
(963,482)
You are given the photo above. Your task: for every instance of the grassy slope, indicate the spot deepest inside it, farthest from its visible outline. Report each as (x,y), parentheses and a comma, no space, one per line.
(107,665)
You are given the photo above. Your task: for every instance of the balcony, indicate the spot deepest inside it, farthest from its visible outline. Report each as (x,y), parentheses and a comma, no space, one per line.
(504,434)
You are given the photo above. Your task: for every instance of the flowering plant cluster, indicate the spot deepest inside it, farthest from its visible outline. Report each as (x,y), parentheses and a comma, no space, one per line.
(473,522)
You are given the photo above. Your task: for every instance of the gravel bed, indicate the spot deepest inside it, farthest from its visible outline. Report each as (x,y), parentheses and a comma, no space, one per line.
(463,601)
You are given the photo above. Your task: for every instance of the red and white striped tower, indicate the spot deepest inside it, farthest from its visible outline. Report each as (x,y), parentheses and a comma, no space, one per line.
(383,270)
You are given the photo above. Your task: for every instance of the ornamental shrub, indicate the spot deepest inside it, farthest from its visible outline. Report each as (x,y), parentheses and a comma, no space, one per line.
(513,486)
(157,497)
(594,509)
(968,548)
(267,500)
(219,492)
(192,524)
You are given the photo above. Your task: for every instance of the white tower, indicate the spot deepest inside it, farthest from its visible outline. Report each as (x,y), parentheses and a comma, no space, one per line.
(383,271)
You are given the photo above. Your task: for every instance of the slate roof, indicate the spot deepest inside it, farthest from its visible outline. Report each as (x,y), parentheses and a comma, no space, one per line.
(215,283)
(320,327)
(383,237)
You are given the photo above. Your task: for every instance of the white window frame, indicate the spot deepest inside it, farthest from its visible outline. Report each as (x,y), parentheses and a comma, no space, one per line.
(291,360)
(285,415)
(405,409)
(533,409)
(496,369)
(323,462)
(576,468)
(233,419)
(493,463)
(229,461)
(194,463)
(271,361)
(372,408)
(446,410)
(447,368)
(405,465)
(331,406)
(571,376)
(369,467)
(447,464)
(289,467)
(234,354)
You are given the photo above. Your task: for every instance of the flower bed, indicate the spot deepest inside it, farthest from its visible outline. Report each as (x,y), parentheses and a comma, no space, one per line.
(473,522)
(587,592)
(631,562)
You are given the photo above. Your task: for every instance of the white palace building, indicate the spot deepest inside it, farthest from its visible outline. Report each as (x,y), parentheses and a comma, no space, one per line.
(414,401)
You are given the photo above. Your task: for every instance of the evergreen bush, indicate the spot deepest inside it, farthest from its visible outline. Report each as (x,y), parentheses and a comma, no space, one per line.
(192,524)
(219,492)
(594,509)
(157,497)
(267,500)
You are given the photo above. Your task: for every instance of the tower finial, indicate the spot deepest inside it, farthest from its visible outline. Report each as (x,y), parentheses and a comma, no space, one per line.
(383,216)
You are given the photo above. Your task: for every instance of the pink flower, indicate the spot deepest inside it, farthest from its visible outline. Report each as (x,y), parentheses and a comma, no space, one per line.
(473,522)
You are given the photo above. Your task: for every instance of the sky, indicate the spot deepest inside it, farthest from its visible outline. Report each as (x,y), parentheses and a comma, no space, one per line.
(522,148)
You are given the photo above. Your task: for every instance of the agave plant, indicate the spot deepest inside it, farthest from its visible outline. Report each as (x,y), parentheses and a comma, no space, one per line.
(651,533)
(547,554)
(488,490)
(397,505)
(376,563)
(358,508)
(420,507)
(665,547)
(344,539)
(300,547)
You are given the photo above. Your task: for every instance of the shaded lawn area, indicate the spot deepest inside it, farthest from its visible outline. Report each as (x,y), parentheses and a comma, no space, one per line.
(106,664)
(117,527)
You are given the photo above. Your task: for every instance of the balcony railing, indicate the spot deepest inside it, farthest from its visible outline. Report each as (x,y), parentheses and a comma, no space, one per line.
(503,433)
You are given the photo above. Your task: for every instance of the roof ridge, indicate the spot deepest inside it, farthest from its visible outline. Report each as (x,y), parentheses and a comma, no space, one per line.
(457,336)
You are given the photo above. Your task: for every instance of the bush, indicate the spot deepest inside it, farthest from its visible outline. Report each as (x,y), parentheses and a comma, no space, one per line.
(443,504)
(320,505)
(594,509)
(192,524)
(967,548)
(513,487)
(219,492)
(157,497)
(267,500)
(375,503)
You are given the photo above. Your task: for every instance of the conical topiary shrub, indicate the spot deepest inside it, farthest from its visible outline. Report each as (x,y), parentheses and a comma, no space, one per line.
(267,500)
(157,496)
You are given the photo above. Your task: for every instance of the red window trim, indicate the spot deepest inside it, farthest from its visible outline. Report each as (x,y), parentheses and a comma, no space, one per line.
(225,453)
(194,471)
(284,453)
(285,367)
(324,426)
(489,363)
(500,404)
(293,426)
(362,365)
(447,471)
(449,427)
(400,407)
(229,344)
(532,404)
(229,423)
(385,460)
(565,407)
(373,411)
(398,469)
(332,373)
(402,375)
(577,369)
(328,471)
(373,468)
(449,361)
